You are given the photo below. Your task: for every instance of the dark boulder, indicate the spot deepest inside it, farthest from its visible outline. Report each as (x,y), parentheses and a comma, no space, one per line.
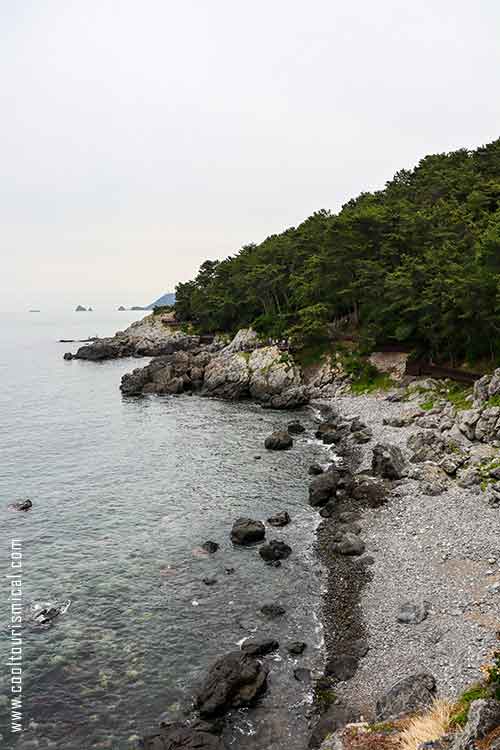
(315,470)
(259,648)
(201,735)
(278,441)
(406,696)
(371,491)
(280,519)
(235,680)
(296,428)
(341,529)
(68,356)
(336,482)
(350,544)
(210,547)
(329,509)
(210,581)
(296,648)
(342,667)
(335,718)
(388,461)
(247,531)
(275,550)
(272,610)
(291,398)
(23,505)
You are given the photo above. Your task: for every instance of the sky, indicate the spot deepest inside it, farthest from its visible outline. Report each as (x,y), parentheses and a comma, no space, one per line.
(138,139)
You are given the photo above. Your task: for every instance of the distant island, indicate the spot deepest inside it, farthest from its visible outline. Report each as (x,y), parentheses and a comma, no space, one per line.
(34,310)
(166,299)
(81,308)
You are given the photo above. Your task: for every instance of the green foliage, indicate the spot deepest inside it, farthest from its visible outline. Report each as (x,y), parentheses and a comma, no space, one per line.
(457,394)
(417,262)
(161,309)
(493,401)
(379,382)
(428,405)
(459,718)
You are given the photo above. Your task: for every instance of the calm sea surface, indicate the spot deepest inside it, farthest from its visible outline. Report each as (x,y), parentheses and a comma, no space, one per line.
(124,491)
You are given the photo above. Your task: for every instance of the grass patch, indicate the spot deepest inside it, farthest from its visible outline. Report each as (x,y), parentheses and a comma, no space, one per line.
(457,395)
(461,709)
(371,383)
(493,401)
(428,405)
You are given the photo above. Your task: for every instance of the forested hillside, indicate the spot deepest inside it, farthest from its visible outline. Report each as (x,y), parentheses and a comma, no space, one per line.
(417,262)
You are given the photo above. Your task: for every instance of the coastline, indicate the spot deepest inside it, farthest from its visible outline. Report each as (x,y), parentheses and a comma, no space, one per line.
(387,539)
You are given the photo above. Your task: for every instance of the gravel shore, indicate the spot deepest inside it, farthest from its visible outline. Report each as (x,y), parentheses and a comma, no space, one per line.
(444,550)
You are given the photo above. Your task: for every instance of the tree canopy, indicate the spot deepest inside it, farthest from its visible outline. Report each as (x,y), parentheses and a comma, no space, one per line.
(418,261)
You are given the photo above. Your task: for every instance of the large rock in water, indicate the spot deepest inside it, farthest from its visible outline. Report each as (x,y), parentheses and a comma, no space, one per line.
(332,484)
(388,461)
(281,440)
(200,736)
(247,531)
(407,696)
(235,680)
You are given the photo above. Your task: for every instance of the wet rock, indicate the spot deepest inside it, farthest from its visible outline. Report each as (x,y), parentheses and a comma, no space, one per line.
(235,680)
(315,470)
(407,696)
(290,398)
(296,648)
(388,461)
(296,428)
(260,648)
(350,544)
(210,581)
(68,356)
(201,735)
(278,441)
(412,613)
(342,667)
(335,718)
(280,519)
(275,550)
(334,483)
(23,505)
(247,531)
(272,610)
(210,547)
(359,648)
(483,718)
(45,616)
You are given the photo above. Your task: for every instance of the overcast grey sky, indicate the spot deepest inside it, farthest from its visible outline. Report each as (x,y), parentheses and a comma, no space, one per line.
(139,138)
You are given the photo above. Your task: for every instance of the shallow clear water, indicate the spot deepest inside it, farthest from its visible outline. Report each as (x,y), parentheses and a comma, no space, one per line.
(124,491)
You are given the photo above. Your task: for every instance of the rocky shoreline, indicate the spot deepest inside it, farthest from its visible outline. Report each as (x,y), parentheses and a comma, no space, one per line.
(409,536)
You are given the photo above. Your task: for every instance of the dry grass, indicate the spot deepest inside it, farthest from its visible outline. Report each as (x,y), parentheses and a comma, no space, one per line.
(428,726)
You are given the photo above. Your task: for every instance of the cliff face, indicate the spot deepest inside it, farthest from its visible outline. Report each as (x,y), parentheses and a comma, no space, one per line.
(239,370)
